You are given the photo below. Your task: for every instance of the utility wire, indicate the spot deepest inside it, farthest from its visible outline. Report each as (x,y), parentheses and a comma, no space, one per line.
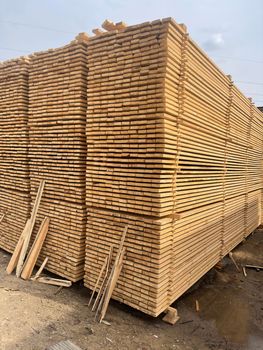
(238,59)
(69,32)
(247,82)
(36,27)
(10,49)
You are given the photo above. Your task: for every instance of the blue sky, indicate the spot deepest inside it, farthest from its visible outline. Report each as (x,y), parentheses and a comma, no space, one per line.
(231,32)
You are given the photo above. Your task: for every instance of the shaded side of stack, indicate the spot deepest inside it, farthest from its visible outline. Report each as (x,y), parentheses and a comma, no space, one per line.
(57,149)
(217,171)
(197,103)
(125,164)
(14,169)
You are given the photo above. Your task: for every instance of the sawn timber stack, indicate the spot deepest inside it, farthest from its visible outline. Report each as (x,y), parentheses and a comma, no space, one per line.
(57,151)
(174,151)
(135,126)
(14,166)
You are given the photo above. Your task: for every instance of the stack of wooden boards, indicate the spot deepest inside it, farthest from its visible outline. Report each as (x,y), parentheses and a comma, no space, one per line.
(57,151)
(125,164)
(14,171)
(137,126)
(174,151)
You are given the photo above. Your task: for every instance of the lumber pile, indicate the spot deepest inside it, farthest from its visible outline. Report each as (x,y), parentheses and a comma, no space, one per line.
(124,161)
(14,170)
(57,151)
(135,127)
(175,152)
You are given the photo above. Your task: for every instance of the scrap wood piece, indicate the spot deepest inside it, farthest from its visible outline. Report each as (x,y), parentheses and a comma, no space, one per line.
(108,25)
(58,290)
(15,256)
(97,31)
(104,281)
(120,26)
(98,279)
(35,249)
(254,267)
(54,281)
(171,316)
(64,345)
(112,283)
(233,260)
(244,271)
(197,306)
(29,230)
(40,269)
(113,277)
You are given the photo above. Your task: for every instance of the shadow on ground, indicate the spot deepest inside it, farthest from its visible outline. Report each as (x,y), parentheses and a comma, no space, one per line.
(33,317)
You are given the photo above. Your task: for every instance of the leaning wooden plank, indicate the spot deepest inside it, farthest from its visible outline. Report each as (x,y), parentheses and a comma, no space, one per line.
(104,281)
(14,259)
(234,261)
(112,284)
(40,269)
(35,249)
(30,229)
(98,280)
(54,281)
(121,244)
(108,282)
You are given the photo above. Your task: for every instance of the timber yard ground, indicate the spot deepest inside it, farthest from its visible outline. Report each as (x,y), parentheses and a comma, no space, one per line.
(33,317)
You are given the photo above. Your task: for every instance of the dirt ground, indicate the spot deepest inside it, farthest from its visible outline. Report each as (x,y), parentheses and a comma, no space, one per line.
(33,317)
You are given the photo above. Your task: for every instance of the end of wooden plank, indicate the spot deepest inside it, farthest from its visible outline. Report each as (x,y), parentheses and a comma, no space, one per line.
(183,26)
(108,25)
(97,31)
(82,38)
(120,26)
(171,316)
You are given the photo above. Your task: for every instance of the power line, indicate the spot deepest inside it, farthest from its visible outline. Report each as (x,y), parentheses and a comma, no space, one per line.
(10,49)
(238,59)
(248,82)
(253,93)
(37,27)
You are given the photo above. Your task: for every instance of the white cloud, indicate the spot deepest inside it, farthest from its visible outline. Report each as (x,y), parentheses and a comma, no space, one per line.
(215,42)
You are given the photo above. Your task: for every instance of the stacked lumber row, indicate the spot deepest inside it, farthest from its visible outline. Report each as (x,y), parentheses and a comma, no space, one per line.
(14,169)
(124,128)
(125,141)
(57,150)
(197,96)
(189,196)
(219,152)
(257,112)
